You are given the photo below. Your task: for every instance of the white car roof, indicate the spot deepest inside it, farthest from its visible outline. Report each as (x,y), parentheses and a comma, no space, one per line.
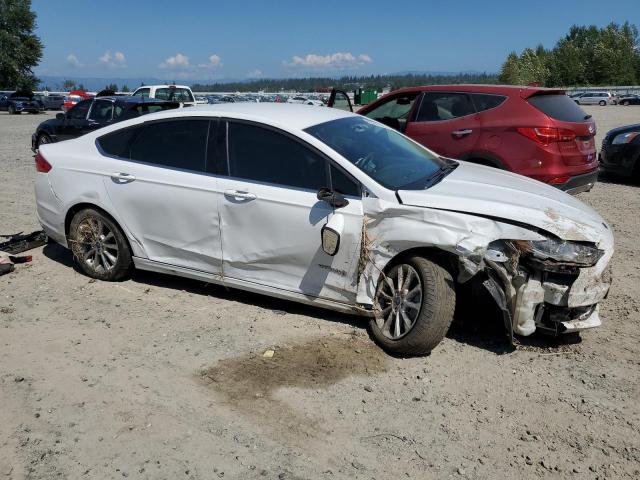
(287,115)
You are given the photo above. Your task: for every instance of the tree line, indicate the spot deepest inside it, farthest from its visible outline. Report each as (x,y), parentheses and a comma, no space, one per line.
(586,56)
(315,84)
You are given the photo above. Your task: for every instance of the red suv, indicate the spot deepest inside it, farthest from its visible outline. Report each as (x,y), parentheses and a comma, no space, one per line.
(537,132)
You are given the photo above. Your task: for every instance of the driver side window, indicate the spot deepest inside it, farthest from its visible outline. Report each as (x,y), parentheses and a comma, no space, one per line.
(395,111)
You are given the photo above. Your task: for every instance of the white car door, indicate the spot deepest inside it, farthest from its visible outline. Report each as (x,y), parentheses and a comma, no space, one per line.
(271,218)
(163,194)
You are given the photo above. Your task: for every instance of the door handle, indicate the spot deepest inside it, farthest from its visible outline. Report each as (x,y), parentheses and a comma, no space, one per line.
(461,133)
(240,194)
(120,177)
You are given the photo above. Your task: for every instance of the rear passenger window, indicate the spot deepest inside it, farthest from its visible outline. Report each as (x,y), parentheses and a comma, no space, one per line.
(101,111)
(436,106)
(117,143)
(178,144)
(264,155)
(485,102)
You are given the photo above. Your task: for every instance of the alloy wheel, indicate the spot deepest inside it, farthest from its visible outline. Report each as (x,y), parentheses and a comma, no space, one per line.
(398,301)
(96,245)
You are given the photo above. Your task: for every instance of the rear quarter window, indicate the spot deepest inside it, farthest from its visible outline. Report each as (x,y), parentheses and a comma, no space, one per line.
(559,107)
(485,101)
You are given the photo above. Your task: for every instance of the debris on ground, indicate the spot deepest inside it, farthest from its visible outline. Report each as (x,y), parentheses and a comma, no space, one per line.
(19,243)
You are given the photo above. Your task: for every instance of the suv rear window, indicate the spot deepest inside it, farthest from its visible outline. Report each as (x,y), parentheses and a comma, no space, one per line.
(559,107)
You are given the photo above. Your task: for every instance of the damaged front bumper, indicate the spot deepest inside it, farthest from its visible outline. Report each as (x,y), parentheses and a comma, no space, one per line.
(534,296)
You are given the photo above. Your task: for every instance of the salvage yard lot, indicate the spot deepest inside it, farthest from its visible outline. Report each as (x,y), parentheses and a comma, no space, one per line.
(162,377)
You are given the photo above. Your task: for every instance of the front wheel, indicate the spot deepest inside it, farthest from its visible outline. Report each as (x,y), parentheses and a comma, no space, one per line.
(625,104)
(602,103)
(414,305)
(99,246)
(43,139)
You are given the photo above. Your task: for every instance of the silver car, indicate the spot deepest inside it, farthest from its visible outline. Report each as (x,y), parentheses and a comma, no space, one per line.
(594,98)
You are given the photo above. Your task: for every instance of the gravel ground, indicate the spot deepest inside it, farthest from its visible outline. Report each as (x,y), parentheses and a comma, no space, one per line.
(161,377)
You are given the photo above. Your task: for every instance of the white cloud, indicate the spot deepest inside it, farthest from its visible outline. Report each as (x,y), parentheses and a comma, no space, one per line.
(215,61)
(115,60)
(177,61)
(255,73)
(73,60)
(336,61)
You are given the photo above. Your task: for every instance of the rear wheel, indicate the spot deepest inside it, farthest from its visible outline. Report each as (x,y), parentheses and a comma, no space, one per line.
(12,110)
(414,306)
(99,246)
(625,103)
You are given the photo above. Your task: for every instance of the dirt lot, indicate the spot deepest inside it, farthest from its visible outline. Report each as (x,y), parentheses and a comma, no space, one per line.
(160,377)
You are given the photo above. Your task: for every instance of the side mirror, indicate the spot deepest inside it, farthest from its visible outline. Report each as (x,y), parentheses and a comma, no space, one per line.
(60,116)
(332,198)
(331,234)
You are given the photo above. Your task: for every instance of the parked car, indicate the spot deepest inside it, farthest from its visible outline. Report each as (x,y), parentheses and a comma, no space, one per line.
(326,208)
(173,93)
(49,102)
(304,101)
(18,102)
(537,132)
(595,98)
(94,113)
(620,152)
(73,98)
(629,99)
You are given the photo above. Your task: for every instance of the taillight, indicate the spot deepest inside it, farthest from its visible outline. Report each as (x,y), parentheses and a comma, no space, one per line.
(41,164)
(547,135)
(563,179)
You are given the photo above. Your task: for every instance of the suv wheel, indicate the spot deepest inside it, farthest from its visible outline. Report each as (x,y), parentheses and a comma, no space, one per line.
(602,103)
(12,110)
(414,306)
(99,246)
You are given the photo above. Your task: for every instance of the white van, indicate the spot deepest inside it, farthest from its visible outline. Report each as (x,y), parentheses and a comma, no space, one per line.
(176,93)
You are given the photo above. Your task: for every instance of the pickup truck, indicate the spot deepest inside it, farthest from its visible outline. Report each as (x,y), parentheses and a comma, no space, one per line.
(173,93)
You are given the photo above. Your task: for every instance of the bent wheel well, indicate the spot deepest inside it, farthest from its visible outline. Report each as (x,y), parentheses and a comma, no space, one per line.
(446,260)
(82,206)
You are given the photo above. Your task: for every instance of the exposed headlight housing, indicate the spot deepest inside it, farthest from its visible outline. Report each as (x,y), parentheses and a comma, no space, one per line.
(561,251)
(624,138)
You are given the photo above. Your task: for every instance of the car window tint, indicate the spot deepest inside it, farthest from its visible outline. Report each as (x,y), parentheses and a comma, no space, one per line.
(559,107)
(485,102)
(143,92)
(117,143)
(263,155)
(395,108)
(436,106)
(342,183)
(79,112)
(178,143)
(175,94)
(118,112)
(101,111)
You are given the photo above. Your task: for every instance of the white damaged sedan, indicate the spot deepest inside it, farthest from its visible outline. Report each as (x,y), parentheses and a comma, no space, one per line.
(326,208)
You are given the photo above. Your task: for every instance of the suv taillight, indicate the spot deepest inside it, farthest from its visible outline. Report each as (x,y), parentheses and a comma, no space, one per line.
(547,135)
(41,164)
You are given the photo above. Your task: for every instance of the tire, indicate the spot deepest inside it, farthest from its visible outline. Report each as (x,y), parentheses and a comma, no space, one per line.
(43,139)
(431,311)
(99,247)
(11,110)
(602,103)
(625,104)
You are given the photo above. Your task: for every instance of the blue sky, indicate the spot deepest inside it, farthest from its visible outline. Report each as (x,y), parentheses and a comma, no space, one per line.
(208,40)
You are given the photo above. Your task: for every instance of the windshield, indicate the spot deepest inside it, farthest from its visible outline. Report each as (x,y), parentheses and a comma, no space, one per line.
(176,94)
(388,157)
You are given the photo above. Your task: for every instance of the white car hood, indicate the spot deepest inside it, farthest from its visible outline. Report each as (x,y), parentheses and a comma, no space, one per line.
(487,191)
